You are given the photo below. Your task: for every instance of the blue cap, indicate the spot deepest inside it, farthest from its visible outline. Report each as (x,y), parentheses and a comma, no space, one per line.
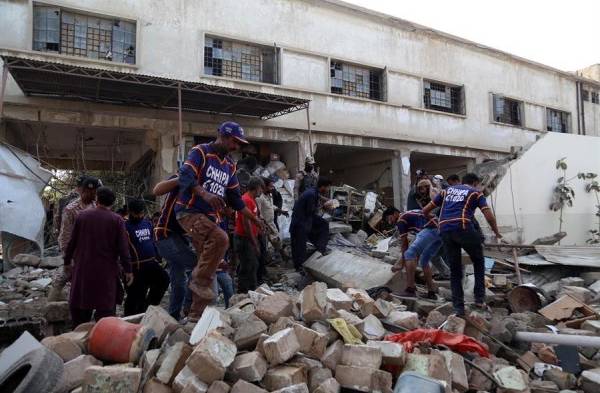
(233,129)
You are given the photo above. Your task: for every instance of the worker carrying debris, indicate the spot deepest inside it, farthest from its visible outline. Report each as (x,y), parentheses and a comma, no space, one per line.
(207,182)
(458,204)
(307,224)
(306,178)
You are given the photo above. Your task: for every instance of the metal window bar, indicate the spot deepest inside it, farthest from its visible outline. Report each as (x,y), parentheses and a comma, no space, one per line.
(507,111)
(70,33)
(585,95)
(239,60)
(441,97)
(595,98)
(557,121)
(355,81)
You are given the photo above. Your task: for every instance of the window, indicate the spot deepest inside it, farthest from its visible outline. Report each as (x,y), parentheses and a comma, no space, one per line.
(595,99)
(240,60)
(61,31)
(441,97)
(507,110)
(585,95)
(557,121)
(356,81)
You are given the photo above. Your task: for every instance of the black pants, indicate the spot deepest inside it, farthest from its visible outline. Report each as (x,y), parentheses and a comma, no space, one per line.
(150,282)
(318,236)
(79,316)
(248,264)
(261,273)
(470,241)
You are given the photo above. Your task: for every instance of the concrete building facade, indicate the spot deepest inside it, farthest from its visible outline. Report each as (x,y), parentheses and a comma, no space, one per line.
(386,96)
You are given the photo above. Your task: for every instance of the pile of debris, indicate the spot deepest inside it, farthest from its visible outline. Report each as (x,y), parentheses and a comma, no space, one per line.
(320,341)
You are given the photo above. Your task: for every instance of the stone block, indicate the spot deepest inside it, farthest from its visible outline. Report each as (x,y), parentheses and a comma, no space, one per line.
(511,379)
(250,366)
(331,385)
(584,295)
(98,379)
(306,362)
(194,385)
(219,387)
(353,377)
(371,328)
(273,307)
(259,344)
(433,366)
(538,386)
(455,324)
(406,319)
(177,336)
(57,312)
(73,372)
(298,388)
(435,319)
(477,380)
(381,381)
(592,326)
(572,282)
(312,343)
(458,372)
(247,334)
(281,346)
(349,317)
(67,348)
(51,262)
(242,386)
(155,386)
(159,320)
(313,300)
(149,358)
(26,260)
(333,355)
(392,353)
(325,328)
(173,362)
(338,299)
(280,324)
(284,375)
(590,380)
(383,308)
(211,357)
(361,356)
(318,375)
(562,379)
(182,379)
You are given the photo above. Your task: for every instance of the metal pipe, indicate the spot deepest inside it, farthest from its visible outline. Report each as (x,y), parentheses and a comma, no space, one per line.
(559,339)
(578,96)
(3,88)
(310,147)
(180,149)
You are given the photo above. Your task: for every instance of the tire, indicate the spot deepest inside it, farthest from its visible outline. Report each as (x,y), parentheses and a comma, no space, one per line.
(38,371)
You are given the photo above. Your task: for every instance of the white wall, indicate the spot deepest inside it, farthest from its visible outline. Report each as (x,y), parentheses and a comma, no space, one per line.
(534,176)
(170,44)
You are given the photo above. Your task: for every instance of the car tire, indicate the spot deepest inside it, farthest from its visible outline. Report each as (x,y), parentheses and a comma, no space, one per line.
(37,371)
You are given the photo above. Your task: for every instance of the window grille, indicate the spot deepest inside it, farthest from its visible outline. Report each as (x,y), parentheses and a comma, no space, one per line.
(356,81)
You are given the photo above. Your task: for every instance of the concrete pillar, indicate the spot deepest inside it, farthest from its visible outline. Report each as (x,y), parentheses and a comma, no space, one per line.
(401,177)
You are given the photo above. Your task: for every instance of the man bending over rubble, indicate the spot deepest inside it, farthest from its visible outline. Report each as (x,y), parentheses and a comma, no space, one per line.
(207,182)
(458,204)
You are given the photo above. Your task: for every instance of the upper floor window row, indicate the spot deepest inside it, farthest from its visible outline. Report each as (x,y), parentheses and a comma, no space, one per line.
(356,81)
(443,97)
(507,110)
(61,31)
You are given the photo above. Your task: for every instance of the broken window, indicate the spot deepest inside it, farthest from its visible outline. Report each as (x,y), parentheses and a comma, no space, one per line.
(240,60)
(356,81)
(595,99)
(585,95)
(442,97)
(507,110)
(557,121)
(70,33)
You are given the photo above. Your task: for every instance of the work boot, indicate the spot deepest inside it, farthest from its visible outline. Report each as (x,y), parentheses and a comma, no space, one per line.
(431,295)
(409,292)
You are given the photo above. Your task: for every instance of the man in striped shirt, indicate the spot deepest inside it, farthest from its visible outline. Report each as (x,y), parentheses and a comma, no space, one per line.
(208,183)
(457,208)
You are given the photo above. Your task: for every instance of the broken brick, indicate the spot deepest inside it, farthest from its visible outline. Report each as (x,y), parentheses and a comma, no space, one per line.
(211,357)
(313,302)
(282,376)
(250,366)
(281,346)
(361,356)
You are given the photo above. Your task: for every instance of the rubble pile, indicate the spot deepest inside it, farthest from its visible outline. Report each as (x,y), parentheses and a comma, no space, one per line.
(327,340)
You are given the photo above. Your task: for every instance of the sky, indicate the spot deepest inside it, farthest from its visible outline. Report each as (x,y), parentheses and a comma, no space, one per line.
(564,34)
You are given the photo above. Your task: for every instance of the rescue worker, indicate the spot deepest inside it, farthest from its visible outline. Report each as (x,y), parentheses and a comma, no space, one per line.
(306,178)
(207,182)
(306,224)
(458,204)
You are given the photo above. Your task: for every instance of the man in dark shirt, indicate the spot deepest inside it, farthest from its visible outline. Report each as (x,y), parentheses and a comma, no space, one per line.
(207,183)
(306,224)
(150,279)
(458,204)
(98,245)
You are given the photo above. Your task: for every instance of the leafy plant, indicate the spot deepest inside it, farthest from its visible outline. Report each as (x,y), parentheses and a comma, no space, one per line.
(593,186)
(563,193)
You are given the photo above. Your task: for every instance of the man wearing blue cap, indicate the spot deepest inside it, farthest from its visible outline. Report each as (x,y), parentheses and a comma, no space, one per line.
(207,183)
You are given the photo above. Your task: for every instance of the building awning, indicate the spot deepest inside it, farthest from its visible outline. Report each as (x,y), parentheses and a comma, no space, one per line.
(51,79)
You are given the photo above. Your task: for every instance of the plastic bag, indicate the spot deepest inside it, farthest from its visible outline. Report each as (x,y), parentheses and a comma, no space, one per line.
(456,342)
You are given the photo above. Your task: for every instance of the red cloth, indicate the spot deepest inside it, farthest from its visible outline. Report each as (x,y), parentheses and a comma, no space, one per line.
(456,342)
(239,226)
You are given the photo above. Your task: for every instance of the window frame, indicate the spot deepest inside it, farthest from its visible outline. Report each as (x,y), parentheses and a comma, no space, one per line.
(382,73)
(594,97)
(276,63)
(521,113)
(463,104)
(568,124)
(88,14)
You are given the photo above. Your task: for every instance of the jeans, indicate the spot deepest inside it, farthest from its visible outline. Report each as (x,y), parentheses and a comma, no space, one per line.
(470,241)
(224,281)
(248,264)
(181,260)
(150,282)
(425,246)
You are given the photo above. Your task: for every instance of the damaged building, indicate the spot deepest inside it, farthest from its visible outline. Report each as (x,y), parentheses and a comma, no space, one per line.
(97,85)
